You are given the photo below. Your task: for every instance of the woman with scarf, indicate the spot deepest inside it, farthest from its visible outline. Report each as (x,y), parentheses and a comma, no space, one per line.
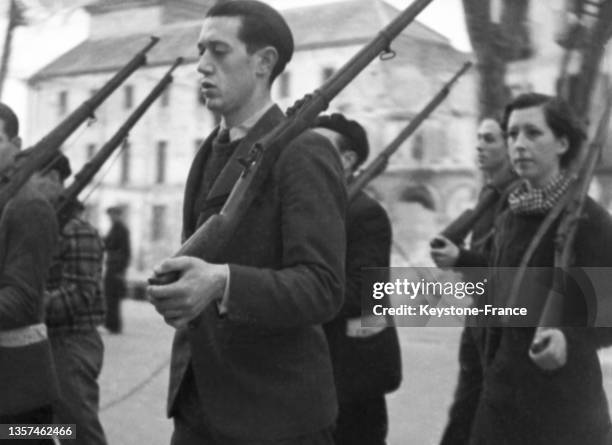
(554,396)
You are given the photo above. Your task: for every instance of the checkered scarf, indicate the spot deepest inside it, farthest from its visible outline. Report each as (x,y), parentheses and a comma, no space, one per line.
(526,200)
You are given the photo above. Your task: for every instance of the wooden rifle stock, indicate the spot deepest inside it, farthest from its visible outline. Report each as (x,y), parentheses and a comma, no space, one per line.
(459,228)
(210,238)
(89,170)
(566,232)
(378,165)
(45,150)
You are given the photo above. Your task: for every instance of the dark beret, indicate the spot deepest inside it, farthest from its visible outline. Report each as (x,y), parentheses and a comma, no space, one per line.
(349,129)
(61,164)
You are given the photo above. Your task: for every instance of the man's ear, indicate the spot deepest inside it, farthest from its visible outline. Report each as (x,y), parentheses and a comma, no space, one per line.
(16,141)
(349,159)
(563,145)
(268,57)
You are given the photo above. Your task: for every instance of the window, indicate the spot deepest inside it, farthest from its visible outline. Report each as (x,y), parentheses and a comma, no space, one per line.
(91,151)
(158,223)
(160,176)
(418,149)
(164,100)
(62,102)
(124,175)
(128,97)
(326,73)
(284,85)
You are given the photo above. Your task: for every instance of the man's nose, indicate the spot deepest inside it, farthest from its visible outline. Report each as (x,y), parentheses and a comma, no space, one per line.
(205,66)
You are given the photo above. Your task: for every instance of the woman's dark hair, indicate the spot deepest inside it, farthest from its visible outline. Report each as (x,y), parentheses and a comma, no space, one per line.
(559,117)
(262,26)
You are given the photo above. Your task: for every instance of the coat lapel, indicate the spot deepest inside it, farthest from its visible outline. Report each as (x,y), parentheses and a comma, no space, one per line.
(232,171)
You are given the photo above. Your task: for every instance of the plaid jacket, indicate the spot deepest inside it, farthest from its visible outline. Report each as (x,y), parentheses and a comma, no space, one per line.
(73,299)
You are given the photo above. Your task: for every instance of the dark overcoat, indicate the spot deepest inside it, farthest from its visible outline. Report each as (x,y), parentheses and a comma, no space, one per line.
(263,370)
(520,403)
(366,367)
(28,239)
(117,247)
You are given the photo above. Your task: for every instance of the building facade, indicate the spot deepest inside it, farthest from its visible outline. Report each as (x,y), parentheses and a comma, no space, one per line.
(147,176)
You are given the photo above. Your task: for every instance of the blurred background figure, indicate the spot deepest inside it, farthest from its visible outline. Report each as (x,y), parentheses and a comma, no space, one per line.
(117,246)
(28,238)
(74,308)
(366,360)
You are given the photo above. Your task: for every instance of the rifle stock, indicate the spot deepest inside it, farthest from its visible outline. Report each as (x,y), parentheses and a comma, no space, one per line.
(45,150)
(566,232)
(459,228)
(210,239)
(89,170)
(378,165)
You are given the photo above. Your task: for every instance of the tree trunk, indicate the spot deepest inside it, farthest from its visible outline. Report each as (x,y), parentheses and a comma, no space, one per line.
(8,40)
(494,44)
(581,91)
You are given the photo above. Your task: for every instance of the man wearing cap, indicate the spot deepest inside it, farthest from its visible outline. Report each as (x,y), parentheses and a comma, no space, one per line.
(74,307)
(493,161)
(118,252)
(250,362)
(28,238)
(366,360)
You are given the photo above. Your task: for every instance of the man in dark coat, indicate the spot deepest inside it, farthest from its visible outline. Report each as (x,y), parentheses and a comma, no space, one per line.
(493,161)
(366,360)
(250,362)
(117,246)
(28,238)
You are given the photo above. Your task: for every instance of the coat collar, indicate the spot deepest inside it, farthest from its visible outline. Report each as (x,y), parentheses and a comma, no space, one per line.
(229,175)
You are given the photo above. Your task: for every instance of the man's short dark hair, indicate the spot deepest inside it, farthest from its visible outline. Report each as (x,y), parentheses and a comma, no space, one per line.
(559,116)
(351,130)
(11,123)
(262,26)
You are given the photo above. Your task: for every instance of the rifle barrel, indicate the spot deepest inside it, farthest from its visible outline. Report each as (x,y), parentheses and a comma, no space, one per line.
(90,169)
(377,166)
(44,151)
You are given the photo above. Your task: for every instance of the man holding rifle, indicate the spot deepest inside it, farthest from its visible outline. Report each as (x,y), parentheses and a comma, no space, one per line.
(250,360)
(493,161)
(74,308)
(28,238)
(366,360)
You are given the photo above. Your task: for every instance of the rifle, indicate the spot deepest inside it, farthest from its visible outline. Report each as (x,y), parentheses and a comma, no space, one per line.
(212,236)
(378,165)
(44,151)
(66,200)
(569,207)
(572,207)
(459,228)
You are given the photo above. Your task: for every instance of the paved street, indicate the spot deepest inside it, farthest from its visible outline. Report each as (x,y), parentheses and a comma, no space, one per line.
(135,377)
